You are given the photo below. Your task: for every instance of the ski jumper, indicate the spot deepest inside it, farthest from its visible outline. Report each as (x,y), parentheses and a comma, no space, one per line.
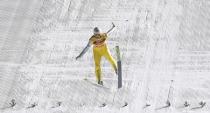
(100,49)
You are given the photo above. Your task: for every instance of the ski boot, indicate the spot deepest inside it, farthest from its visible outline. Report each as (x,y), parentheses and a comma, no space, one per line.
(100,82)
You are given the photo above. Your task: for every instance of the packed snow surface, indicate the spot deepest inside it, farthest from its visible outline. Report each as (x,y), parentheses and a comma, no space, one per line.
(164,45)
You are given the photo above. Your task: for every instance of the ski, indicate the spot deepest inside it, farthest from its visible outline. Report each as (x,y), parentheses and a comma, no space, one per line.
(96,85)
(119,67)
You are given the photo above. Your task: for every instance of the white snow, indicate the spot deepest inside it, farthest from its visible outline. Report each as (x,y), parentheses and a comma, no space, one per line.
(160,41)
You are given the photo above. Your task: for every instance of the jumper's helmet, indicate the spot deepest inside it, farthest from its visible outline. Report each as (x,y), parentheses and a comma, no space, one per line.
(96,30)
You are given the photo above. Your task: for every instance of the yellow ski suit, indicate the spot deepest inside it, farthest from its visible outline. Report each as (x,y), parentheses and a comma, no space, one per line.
(100,49)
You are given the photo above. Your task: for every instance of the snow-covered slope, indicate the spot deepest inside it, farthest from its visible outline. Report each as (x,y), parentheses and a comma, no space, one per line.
(160,41)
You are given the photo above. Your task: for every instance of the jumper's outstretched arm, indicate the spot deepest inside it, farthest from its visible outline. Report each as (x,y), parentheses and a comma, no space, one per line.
(84,50)
(111,28)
